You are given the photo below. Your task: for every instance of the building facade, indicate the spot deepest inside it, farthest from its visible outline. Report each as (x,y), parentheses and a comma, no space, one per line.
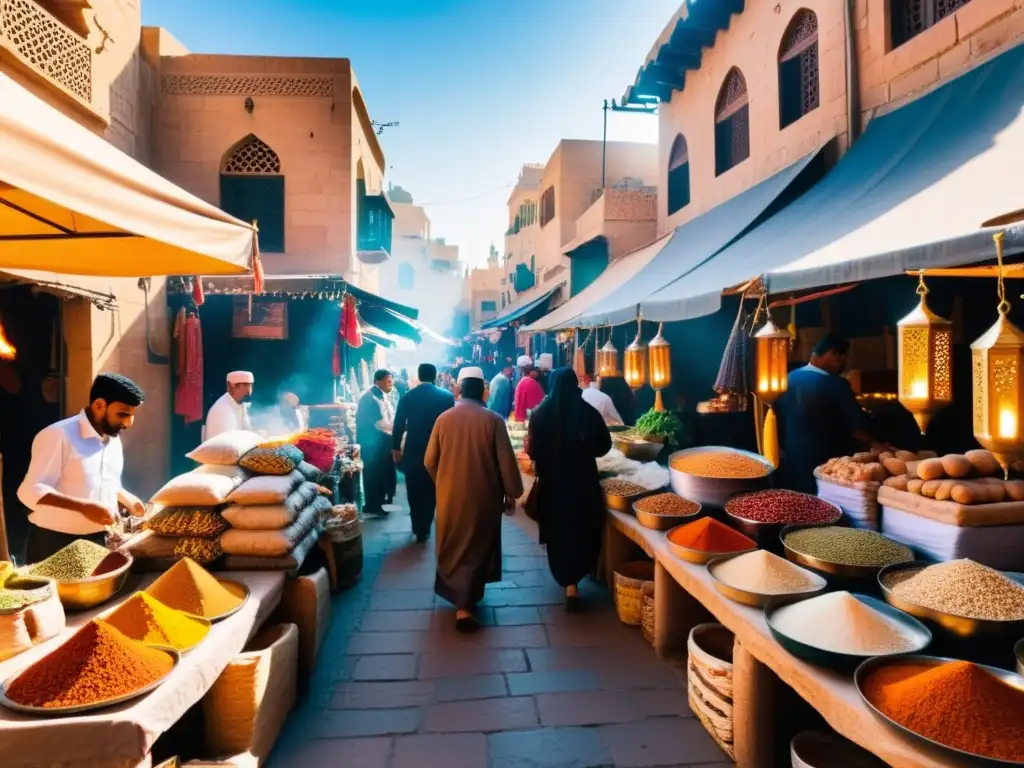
(485,288)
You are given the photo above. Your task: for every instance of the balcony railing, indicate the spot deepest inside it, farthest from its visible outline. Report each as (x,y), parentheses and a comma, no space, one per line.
(373,233)
(41,43)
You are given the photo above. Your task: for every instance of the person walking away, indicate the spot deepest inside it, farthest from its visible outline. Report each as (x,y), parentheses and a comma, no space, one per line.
(231,411)
(415,417)
(470,458)
(73,484)
(566,436)
(819,416)
(529,393)
(500,400)
(601,402)
(374,423)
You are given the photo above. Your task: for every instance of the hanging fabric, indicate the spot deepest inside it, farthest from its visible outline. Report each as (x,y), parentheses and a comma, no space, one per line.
(188,396)
(198,298)
(732,373)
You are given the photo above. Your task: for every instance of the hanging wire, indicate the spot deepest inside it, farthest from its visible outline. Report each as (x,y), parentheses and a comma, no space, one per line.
(922,289)
(1004,306)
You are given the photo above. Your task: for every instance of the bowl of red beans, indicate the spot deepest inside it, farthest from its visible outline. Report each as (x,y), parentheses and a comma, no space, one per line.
(762,515)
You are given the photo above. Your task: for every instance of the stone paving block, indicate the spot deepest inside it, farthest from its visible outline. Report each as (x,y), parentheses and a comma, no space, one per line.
(386,667)
(636,678)
(538,578)
(443,617)
(402,600)
(449,750)
(528,636)
(403,693)
(569,635)
(414,580)
(395,621)
(516,616)
(598,613)
(330,753)
(469,687)
(665,741)
(471,662)
(533,596)
(363,643)
(531,683)
(662,703)
(549,748)
(481,716)
(586,708)
(524,563)
(591,658)
(347,723)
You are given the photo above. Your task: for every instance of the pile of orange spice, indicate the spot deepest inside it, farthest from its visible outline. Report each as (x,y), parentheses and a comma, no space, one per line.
(958,704)
(189,587)
(709,535)
(97,663)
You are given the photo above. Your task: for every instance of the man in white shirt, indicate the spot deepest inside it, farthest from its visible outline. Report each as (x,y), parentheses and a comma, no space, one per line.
(231,411)
(600,402)
(73,483)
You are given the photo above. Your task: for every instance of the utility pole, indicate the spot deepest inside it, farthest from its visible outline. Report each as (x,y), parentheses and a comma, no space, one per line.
(651,110)
(381,126)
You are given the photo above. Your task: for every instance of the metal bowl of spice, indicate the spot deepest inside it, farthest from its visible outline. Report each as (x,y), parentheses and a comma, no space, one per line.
(661,511)
(960,598)
(711,474)
(704,539)
(621,494)
(849,553)
(754,578)
(970,712)
(763,514)
(80,594)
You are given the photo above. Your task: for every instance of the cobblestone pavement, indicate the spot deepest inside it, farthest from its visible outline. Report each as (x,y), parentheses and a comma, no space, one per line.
(397,687)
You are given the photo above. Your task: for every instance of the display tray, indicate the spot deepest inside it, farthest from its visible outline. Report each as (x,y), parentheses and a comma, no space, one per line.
(926,662)
(82,708)
(758,599)
(829,568)
(952,513)
(238,589)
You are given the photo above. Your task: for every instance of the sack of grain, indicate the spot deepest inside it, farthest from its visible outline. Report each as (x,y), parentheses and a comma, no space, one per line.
(206,486)
(225,449)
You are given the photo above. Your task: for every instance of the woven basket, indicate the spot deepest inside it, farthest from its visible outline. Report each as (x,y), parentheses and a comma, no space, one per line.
(629,580)
(32,625)
(248,704)
(709,681)
(647,612)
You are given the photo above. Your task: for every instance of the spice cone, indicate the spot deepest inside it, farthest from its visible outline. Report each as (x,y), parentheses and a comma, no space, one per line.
(144,618)
(189,587)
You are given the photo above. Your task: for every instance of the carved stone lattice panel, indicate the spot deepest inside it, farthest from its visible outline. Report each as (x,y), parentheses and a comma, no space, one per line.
(47,45)
(244,85)
(252,156)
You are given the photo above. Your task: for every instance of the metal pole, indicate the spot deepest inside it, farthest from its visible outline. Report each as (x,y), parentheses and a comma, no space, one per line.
(604,144)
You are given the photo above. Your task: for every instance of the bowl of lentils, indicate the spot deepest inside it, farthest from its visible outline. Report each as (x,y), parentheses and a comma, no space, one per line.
(850,553)
(661,511)
(763,514)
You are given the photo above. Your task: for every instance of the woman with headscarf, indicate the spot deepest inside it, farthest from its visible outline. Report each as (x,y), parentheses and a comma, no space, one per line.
(566,437)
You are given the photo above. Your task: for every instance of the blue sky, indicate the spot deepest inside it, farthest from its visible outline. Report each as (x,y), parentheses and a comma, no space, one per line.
(479,86)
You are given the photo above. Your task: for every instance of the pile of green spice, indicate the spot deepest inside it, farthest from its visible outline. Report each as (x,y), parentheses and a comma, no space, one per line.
(76,561)
(848,546)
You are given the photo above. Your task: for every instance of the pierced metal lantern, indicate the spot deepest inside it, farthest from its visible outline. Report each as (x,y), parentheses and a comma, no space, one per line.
(634,369)
(925,343)
(771,355)
(659,359)
(607,360)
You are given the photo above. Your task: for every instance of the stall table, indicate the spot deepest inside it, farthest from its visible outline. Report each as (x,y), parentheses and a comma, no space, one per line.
(122,736)
(684,595)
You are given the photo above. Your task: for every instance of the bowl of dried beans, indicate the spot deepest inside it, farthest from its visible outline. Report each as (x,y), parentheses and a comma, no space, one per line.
(763,514)
(661,511)
(620,494)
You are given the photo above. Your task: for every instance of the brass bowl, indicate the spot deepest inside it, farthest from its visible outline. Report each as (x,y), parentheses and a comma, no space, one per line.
(927,662)
(763,532)
(638,450)
(948,623)
(624,504)
(88,593)
(699,556)
(758,599)
(841,570)
(664,522)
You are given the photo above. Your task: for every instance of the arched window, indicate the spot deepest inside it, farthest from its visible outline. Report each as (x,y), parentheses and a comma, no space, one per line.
(678,175)
(547,206)
(406,277)
(909,18)
(798,68)
(252,189)
(732,123)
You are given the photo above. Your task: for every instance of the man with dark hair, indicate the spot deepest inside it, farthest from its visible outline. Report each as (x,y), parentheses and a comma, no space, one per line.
(470,457)
(414,421)
(819,416)
(374,423)
(73,483)
(500,400)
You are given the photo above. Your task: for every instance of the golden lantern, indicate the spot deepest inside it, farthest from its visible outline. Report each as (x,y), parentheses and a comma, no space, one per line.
(607,360)
(998,358)
(634,369)
(771,356)
(660,362)
(925,343)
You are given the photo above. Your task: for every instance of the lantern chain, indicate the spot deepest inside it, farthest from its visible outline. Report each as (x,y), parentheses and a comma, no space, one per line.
(1004,305)
(922,289)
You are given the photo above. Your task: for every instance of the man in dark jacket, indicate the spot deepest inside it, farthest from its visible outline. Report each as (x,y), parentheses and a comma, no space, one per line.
(414,421)
(374,423)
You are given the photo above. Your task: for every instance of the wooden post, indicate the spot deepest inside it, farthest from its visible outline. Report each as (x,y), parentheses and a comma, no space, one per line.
(753,710)
(676,612)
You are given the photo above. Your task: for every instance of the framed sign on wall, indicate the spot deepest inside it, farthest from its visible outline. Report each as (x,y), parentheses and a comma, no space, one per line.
(269,319)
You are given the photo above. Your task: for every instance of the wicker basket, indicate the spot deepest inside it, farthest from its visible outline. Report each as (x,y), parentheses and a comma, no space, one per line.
(647,612)
(709,681)
(629,580)
(306,603)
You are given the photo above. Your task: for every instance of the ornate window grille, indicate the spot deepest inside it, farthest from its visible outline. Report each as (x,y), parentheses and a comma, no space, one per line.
(909,18)
(732,123)
(252,189)
(799,90)
(678,175)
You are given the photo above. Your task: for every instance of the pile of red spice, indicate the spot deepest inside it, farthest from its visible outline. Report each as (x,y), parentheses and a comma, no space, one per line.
(781,507)
(958,704)
(709,535)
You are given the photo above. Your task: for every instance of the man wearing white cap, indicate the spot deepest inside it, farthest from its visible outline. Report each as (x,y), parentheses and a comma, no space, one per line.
(231,411)
(471,460)
(529,392)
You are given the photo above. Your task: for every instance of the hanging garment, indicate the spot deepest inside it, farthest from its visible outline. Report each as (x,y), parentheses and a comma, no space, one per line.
(188,397)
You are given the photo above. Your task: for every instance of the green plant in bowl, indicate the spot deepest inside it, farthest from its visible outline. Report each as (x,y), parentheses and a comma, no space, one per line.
(658,427)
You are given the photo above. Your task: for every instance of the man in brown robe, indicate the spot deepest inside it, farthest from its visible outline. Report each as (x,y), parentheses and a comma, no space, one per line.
(471,460)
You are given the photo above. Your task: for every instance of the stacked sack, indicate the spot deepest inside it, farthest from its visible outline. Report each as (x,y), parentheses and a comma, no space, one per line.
(275,516)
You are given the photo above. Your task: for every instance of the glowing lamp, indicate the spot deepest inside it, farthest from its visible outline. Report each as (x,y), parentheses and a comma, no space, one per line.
(659,359)
(771,355)
(7,350)
(925,343)
(634,369)
(607,360)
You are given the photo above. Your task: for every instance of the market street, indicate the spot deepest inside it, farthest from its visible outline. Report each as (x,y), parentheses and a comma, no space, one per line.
(397,687)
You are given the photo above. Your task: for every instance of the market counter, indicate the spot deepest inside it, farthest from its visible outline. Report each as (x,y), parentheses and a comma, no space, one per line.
(122,736)
(684,594)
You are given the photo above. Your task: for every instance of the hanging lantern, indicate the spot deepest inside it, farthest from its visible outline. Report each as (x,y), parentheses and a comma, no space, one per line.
(997,357)
(7,350)
(607,360)
(925,343)
(634,369)
(660,361)
(771,354)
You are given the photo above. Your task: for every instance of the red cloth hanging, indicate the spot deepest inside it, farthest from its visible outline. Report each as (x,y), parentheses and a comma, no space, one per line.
(350,323)
(188,397)
(197,291)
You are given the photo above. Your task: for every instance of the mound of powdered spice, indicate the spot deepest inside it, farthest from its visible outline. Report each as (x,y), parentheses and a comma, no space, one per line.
(76,561)
(841,623)
(189,587)
(958,704)
(96,664)
(709,535)
(764,573)
(144,618)
(962,588)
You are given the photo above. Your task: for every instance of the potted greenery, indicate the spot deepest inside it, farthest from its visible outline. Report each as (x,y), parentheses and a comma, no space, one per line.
(653,431)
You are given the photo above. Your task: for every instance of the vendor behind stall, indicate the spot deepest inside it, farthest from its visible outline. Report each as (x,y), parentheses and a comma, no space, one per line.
(819,416)
(600,402)
(73,484)
(231,411)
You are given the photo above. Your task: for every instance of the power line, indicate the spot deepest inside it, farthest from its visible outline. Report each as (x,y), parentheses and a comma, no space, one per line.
(469,199)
